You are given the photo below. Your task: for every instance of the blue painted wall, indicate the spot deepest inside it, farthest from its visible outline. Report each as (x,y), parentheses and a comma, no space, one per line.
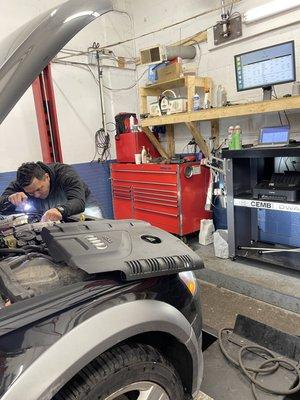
(96,176)
(279,227)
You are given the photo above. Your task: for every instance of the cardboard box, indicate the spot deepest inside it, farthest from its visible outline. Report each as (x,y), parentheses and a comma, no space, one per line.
(171,71)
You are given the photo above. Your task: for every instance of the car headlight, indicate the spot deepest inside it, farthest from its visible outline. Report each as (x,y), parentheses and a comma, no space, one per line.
(190,281)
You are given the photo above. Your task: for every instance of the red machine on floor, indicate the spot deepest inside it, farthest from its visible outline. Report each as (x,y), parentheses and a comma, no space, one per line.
(128,141)
(129,144)
(169,196)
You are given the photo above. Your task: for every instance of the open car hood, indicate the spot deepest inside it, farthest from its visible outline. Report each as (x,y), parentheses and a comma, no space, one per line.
(26,52)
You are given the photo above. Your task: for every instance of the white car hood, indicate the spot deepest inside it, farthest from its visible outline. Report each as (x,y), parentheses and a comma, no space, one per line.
(26,52)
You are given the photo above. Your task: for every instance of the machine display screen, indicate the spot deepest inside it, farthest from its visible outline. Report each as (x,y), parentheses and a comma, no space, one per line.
(265,67)
(274,134)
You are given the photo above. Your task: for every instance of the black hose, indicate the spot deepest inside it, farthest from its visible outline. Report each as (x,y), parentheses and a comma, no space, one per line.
(277,361)
(12,250)
(34,247)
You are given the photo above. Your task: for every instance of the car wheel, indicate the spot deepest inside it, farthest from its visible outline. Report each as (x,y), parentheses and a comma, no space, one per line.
(126,372)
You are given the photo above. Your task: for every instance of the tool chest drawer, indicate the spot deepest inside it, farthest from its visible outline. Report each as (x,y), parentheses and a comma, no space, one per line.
(161,194)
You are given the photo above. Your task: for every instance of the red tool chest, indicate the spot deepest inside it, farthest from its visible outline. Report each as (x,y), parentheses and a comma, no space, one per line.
(130,143)
(161,194)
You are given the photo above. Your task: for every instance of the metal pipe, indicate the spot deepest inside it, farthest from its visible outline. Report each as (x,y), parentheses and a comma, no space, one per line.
(100,76)
(223,11)
(265,250)
(187,52)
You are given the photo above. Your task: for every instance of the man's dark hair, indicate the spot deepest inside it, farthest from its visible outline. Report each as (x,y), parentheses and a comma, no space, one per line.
(27,172)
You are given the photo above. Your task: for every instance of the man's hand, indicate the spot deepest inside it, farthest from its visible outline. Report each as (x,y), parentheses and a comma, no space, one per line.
(52,215)
(17,198)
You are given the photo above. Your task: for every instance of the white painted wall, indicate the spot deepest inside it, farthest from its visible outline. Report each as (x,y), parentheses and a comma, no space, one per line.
(217,62)
(76,91)
(77,94)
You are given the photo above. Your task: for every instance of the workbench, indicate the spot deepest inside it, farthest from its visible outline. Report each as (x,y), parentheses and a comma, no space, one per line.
(245,168)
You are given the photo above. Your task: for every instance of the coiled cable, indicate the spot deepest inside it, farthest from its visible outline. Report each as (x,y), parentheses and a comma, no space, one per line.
(262,369)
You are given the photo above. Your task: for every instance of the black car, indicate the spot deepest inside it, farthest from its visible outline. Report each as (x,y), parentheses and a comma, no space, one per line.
(81,322)
(105,310)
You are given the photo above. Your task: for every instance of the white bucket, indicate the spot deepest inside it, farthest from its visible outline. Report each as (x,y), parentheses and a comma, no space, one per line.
(221,243)
(206,232)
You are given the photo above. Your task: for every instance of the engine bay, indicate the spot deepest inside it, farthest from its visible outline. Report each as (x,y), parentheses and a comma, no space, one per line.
(37,257)
(26,268)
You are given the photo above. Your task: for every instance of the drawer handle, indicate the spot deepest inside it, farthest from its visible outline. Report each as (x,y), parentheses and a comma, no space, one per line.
(146,172)
(146,183)
(156,212)
(155,202)
(156,190)
(158,195)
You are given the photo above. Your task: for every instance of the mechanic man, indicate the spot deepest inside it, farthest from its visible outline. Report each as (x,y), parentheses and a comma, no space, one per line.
(55,191)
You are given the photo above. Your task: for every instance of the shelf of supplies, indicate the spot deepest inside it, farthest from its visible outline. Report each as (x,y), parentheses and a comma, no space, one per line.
(285,103)
(189,82)
(266,205)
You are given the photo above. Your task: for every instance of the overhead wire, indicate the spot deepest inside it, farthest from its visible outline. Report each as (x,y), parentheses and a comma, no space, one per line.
(102,146)
(170,26)
(285,114)
(78,53)
(129,87)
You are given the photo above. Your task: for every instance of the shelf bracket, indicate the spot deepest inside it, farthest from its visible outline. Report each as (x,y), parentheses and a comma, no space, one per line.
(155,143)
(199,138)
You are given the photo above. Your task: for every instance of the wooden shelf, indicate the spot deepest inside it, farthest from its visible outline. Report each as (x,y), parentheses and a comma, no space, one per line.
(189,82)
(178,82)
(286,103)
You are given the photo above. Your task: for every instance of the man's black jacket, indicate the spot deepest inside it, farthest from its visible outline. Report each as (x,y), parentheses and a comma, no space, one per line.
(66,189)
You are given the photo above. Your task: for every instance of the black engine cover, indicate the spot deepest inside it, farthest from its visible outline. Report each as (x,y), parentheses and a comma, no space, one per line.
(134,248)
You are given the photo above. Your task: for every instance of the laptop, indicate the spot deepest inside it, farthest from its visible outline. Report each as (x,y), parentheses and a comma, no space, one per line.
(274,136)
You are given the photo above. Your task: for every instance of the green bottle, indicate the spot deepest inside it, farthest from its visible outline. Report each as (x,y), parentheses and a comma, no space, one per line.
(237,138)
(230,138)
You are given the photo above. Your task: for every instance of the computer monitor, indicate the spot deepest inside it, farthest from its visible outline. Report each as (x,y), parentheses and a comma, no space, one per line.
(265,67)
(274,136)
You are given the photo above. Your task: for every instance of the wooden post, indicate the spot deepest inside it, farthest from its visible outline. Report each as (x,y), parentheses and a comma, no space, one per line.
(191,90)
(144,102)
(199,138)
(215,133)
(208,87)
(170,140)
(155,143)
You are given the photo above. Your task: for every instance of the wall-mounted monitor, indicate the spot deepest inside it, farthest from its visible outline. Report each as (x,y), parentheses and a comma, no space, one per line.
(263,68)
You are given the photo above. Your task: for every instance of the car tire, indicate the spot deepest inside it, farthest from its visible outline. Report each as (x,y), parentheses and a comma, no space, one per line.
(126,372)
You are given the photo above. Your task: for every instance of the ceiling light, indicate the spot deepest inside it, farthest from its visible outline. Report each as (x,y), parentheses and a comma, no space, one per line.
(267,10)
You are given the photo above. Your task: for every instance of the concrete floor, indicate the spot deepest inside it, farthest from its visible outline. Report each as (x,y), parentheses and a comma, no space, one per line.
(221,305)
(283,280)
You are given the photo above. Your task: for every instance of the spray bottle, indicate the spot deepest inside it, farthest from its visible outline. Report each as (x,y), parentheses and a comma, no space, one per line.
(144,155)
(196,102)
(206,99)
(131,122)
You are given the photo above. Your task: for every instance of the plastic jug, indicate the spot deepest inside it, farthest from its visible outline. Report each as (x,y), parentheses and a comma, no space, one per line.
(206,232)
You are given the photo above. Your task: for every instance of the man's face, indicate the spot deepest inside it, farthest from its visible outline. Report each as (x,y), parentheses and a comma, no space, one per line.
(39,188)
